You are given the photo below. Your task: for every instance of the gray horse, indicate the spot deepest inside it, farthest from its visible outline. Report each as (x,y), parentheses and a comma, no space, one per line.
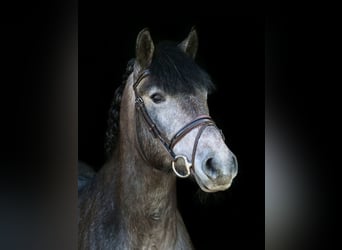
(159,129)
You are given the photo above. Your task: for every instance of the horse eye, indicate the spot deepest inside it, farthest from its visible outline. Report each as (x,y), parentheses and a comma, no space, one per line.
(157,98)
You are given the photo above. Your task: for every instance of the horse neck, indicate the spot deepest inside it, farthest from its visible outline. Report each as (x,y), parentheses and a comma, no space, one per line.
(140,191)
(145,190)
(145,200)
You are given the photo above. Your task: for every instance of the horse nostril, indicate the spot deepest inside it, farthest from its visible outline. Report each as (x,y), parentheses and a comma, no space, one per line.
(234,165)
(210,169)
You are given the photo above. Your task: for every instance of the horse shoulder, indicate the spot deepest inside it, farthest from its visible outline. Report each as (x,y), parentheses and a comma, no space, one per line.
(99,227)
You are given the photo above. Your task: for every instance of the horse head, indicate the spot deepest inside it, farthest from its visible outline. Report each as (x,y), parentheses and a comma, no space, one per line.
(169,115)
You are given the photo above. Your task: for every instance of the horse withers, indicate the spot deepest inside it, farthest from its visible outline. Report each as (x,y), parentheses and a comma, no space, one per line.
(159,129)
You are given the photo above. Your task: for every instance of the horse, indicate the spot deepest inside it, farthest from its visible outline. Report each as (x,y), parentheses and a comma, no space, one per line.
(159,129)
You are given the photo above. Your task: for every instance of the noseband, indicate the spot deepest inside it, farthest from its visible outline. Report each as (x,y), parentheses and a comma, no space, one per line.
(201,121)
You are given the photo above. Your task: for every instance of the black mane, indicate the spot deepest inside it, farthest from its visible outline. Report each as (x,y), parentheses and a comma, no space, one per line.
(172,70)
(113,128)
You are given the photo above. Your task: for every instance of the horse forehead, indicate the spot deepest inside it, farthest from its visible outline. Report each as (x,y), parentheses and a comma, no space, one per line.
(198,101)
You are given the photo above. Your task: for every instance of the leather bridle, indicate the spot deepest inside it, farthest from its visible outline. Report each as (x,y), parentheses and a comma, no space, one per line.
(202,121)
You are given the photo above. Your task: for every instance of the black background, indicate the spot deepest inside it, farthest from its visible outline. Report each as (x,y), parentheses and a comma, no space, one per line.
(231,50)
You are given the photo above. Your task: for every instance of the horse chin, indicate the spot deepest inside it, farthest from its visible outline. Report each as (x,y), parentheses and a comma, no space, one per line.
(209,186)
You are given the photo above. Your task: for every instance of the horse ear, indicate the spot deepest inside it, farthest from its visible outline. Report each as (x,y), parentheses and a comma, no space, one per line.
(144,48)
(190,44)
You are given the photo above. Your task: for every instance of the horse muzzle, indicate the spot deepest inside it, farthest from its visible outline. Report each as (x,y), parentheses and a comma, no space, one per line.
(215,175)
